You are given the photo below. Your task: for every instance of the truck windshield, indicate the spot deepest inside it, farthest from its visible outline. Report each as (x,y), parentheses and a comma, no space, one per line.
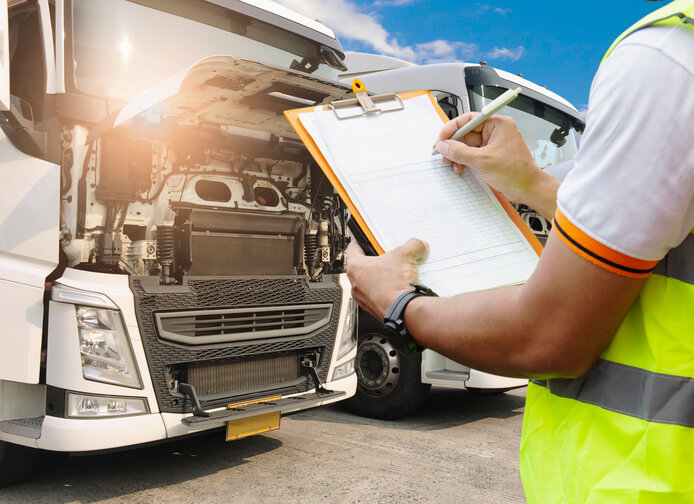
(548,132)
(121,47)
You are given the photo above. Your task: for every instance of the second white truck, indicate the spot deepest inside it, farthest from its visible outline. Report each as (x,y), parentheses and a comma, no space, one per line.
(390,384)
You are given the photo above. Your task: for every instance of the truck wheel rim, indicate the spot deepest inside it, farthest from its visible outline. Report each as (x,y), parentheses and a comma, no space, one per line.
(378,365)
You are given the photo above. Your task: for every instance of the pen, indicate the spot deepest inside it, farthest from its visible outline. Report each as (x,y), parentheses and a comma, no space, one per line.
(487,111)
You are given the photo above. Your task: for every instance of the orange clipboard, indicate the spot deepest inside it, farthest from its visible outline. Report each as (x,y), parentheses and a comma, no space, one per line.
(369,106)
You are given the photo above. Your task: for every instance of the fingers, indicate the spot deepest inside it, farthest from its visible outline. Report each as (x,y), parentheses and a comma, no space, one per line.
(455,124)
(354,254)
(414,248)
(354,250)
(458,152)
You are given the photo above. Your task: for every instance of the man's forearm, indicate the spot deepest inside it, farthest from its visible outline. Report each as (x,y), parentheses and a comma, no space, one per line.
(482,330)
(556,324)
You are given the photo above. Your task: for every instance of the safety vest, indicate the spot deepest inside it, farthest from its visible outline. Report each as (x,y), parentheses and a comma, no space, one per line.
(624,431)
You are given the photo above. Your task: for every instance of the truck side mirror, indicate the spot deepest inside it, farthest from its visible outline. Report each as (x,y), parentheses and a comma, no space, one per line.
(4,57)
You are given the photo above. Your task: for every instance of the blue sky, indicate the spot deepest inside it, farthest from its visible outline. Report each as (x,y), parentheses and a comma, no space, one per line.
(557,44)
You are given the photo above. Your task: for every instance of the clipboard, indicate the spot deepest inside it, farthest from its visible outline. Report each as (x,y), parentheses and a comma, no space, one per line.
(374,105)
(370,105)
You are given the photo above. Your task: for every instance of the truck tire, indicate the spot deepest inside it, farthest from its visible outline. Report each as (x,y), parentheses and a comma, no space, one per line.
(389,384)
(16,462)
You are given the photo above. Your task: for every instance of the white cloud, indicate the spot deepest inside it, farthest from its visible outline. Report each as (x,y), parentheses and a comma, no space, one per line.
(506,53)
(353,24)
(349,23)
(438,51)
(501,11)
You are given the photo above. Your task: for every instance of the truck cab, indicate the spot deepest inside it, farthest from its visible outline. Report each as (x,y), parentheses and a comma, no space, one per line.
(392,384)
(171,258)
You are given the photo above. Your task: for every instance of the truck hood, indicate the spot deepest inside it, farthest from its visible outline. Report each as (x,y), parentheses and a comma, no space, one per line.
(224,90)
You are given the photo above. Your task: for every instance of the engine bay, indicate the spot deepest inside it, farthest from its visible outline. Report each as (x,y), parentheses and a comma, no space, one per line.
(199,200)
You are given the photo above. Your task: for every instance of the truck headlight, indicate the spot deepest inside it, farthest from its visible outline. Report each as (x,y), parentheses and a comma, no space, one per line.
(91,406)
(348,339)
(104,347)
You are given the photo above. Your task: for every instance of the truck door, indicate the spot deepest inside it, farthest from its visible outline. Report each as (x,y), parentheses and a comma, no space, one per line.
(30,199)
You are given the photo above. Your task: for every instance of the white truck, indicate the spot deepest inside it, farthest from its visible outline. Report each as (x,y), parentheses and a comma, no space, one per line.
(171,259)
(390,384)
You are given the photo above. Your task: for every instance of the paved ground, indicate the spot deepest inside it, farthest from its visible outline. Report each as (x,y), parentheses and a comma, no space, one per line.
(461,447)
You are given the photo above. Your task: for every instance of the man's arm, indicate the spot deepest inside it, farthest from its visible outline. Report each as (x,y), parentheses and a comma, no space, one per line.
(557,324)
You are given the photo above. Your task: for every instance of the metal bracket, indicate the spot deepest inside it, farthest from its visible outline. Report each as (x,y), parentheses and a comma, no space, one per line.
(368,104)
(313,376)
(188,392)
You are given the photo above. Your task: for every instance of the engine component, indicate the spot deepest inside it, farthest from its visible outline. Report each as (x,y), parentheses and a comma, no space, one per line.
(165,251)
(323,241)
(322,235)
(142,249)
(125,169)
(211,190)
(250,243)
(310,247)
(109,248)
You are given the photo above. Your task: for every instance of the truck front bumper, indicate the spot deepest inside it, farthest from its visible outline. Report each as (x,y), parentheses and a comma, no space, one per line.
(94,434)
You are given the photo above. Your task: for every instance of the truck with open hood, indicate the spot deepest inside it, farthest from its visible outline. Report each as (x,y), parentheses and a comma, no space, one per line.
(171,258)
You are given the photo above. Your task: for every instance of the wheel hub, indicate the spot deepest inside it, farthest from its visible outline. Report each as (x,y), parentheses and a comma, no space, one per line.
(378,365)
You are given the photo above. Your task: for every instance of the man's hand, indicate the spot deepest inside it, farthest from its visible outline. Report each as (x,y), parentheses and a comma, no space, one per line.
(496,150)
(378,281)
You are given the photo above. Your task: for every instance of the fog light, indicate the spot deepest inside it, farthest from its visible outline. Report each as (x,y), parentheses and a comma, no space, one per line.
(348,339)
(343,370)
(89,406)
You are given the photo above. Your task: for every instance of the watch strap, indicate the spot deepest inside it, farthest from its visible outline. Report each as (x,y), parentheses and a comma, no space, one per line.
(394,321)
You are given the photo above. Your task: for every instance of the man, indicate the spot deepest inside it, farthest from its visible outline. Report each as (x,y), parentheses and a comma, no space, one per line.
(605,325)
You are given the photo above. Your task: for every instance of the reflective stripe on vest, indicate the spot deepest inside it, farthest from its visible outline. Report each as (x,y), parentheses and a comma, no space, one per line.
(655,397)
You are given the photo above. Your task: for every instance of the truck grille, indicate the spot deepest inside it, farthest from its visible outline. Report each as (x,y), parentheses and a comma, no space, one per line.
(241,324)
(231,295)
(227,378)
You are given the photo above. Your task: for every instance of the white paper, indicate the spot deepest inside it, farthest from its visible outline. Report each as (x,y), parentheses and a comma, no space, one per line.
(385,164)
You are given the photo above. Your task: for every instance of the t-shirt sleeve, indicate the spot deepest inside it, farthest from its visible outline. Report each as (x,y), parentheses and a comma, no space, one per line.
(629,198)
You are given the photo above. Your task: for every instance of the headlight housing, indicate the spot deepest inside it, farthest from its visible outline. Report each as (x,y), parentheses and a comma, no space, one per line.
(105,349)
(348,339)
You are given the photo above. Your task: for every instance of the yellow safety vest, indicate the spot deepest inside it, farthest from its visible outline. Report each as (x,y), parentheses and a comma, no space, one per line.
(624,431)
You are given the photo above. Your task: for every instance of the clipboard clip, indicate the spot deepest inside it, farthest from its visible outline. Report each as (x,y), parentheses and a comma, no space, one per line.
(346,109)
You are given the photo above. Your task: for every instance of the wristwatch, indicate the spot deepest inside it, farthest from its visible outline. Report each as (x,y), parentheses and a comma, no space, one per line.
(394,321)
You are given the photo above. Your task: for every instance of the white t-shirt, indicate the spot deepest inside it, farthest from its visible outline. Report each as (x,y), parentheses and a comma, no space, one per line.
(630,197)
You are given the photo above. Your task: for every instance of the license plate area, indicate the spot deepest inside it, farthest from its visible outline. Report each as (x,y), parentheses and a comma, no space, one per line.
(250,426)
